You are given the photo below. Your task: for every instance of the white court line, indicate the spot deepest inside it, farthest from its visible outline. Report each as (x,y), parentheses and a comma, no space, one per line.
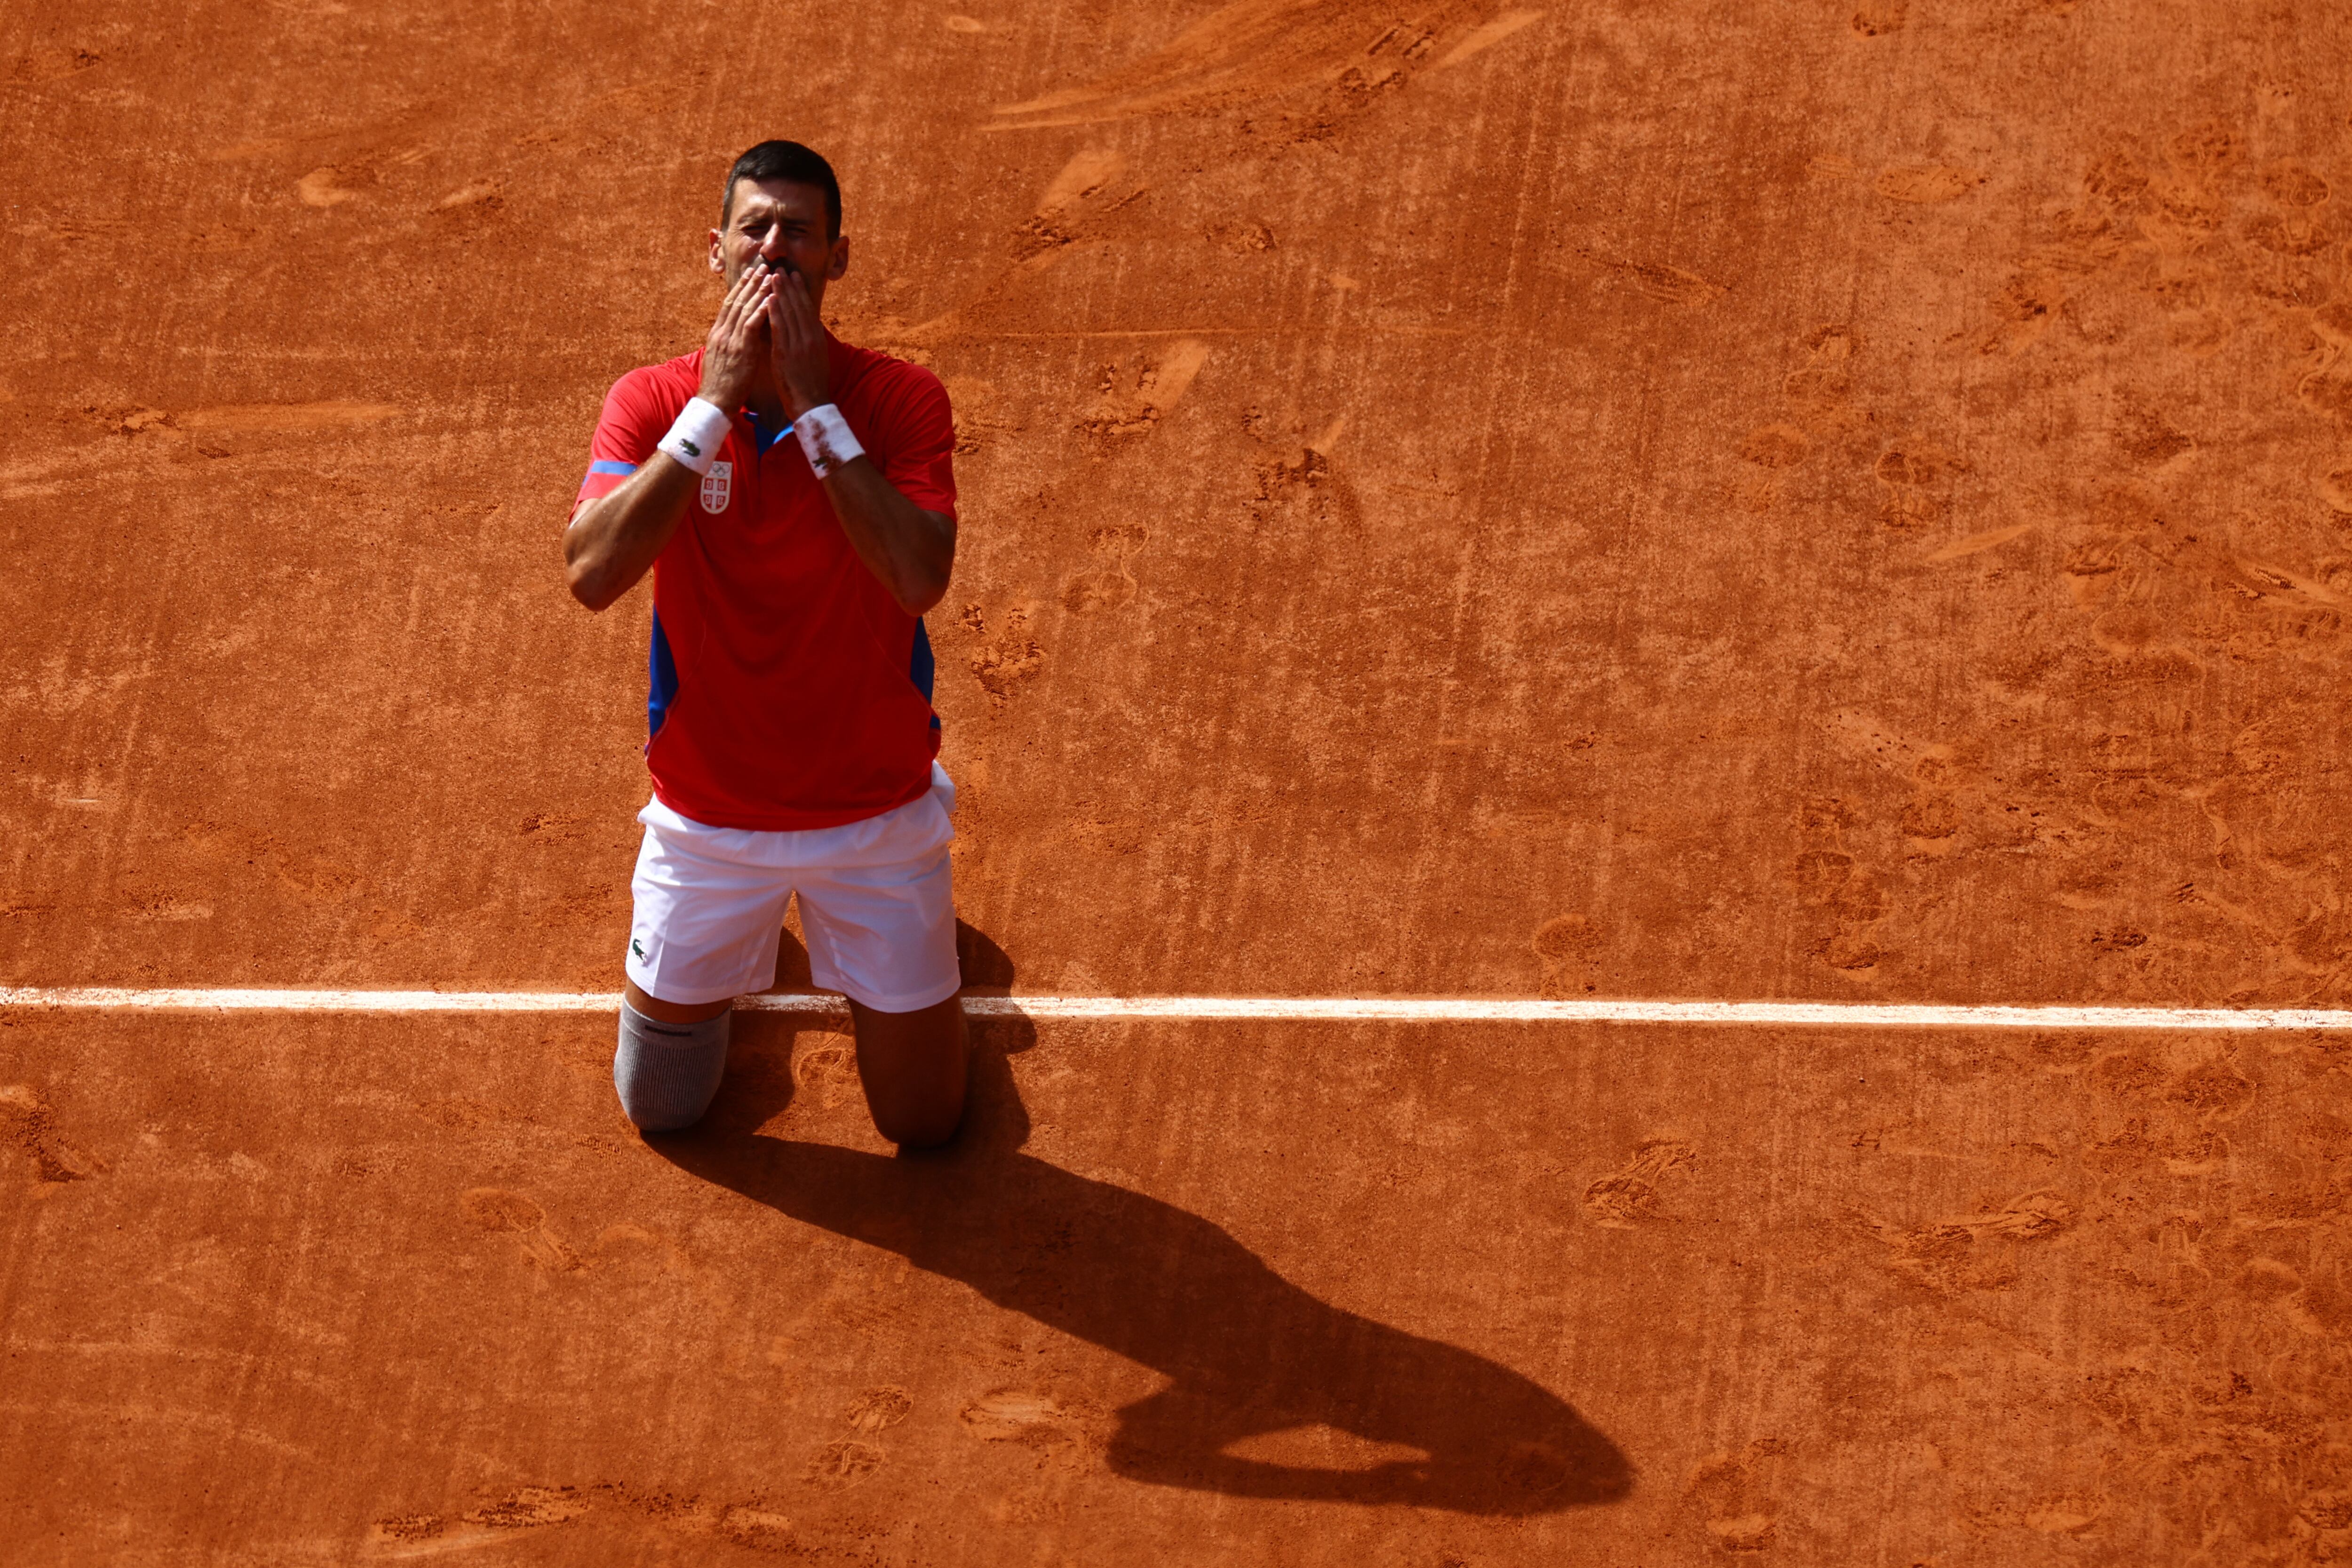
(1342,1009)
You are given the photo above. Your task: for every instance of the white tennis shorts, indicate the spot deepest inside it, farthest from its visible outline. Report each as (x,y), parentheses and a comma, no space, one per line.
(876,906)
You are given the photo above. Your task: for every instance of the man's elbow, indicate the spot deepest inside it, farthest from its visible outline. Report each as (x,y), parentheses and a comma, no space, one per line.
(587,572)
(923,579)
(588,586)
(919,598)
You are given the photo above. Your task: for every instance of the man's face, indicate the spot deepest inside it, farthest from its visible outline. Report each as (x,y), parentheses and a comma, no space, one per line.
(782,224)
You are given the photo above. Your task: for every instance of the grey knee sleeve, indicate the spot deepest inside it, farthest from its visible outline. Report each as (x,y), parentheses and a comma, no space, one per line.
(667,1073)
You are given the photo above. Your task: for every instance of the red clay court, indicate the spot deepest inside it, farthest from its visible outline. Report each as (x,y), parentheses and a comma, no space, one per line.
(1544,514)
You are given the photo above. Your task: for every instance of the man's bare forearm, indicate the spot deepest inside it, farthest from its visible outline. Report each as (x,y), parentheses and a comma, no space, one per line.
(613,541)
(909,550)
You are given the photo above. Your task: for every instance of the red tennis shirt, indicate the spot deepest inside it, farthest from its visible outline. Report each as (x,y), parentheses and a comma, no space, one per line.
(788,688)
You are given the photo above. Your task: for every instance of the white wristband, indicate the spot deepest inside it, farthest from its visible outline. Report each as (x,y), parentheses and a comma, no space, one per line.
(825,437)
(695,439)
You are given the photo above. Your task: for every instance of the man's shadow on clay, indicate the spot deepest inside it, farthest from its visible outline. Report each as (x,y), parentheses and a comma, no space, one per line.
(1245,1351)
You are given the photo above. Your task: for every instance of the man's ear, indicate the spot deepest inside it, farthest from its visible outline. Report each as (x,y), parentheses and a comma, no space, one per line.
(840,262)
(718,253)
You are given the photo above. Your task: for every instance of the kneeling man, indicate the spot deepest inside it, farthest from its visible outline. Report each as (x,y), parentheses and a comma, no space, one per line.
(794,499)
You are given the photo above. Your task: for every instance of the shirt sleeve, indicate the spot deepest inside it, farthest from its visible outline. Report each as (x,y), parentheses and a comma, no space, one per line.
(914,440)
(631,426)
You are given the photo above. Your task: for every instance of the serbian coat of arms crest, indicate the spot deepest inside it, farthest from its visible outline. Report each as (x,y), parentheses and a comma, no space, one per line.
(715,486)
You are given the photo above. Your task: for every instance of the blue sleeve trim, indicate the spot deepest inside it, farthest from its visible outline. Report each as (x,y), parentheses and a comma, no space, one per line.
(607,465)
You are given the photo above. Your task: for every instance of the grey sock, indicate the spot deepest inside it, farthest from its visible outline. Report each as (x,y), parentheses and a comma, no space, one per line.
(667,1073)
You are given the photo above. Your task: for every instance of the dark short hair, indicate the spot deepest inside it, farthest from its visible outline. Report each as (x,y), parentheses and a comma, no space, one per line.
(785,160)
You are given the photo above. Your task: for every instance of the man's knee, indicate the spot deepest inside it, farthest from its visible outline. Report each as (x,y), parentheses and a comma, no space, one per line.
(919,1122)
(915,1066)
(666,1074)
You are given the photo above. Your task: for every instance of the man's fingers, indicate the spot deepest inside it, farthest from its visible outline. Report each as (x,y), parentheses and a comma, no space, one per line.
(786,331)
(788,308)
(755,308)
(741,296)
(730,311)
(739,319)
